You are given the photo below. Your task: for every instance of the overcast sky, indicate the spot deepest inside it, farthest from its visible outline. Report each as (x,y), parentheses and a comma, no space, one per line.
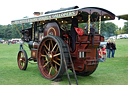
(17,9)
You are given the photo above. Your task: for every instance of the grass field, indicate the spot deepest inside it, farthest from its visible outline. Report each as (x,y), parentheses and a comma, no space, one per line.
(112,72)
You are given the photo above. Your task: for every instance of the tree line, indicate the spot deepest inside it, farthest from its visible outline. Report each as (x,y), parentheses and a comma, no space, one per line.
(107,29)
(10,31)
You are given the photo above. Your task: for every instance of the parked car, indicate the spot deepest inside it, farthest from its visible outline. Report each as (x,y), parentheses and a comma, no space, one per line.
(102,43)
(1,41)
(126,37)
(122,36)
(119,36)
(112,37)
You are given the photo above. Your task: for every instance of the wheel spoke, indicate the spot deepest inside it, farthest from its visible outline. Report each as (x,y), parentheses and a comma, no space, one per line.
(50,71)
(49,46)
(54,47)
(46,52)
(48,67)
(43,55)
(53,68)
(46,47)
(45,64)
(56,50)
(58,58)
(21,64)
(51,43)
(56,62)
(24,61)
(56,54)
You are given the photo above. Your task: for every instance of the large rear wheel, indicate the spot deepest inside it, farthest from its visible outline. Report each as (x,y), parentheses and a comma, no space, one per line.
(83,73)
(51,51)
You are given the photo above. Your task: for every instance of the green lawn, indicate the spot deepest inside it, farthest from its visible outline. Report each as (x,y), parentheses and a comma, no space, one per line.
(112,72)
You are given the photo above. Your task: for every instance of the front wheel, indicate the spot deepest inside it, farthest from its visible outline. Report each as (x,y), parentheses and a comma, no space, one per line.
(22,59)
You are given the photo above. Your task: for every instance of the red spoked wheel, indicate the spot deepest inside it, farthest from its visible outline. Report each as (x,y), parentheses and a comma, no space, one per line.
(50,57)
(22,60)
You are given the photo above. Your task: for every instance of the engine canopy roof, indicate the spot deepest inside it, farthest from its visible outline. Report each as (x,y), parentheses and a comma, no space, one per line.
(67,13)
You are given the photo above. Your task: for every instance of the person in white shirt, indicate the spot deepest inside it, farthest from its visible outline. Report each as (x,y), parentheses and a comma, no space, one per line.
(21,44)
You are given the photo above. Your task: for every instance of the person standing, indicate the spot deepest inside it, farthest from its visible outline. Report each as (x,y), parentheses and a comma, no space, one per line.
(113,45)
(104,52)
(21,44)
(100,56)
(108,47)
(8,42)
(73,31)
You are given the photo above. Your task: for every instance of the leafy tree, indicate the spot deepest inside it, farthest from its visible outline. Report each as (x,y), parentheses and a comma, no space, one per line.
(118,31)
(125,28)
(103,29)
(108,29)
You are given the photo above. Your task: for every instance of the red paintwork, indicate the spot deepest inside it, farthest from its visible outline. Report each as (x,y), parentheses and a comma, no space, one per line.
(87,63)
(34,53)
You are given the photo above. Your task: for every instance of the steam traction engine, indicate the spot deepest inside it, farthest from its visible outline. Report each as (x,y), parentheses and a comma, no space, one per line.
(58,44)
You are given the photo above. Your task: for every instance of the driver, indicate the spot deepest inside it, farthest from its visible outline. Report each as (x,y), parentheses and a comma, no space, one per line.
(73,31)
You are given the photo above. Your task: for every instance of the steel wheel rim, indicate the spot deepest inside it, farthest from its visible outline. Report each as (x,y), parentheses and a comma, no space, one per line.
(49,58)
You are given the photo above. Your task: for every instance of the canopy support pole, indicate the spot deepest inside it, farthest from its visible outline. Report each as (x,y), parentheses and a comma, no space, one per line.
(99,24)
(33,34)
(18,30)
(88,23)
(22,26)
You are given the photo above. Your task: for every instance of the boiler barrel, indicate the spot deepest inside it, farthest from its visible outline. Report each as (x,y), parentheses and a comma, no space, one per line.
(33,45)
